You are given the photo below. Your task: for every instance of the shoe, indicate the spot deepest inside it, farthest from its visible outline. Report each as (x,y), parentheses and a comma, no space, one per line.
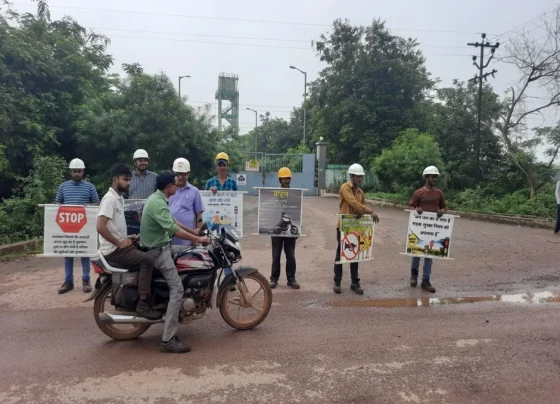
(175,346)
(66,287)
(273,284)
(356,288)
(293,284)
(413,281)
(337,288)
(427,286)
(144,310)
(86,286)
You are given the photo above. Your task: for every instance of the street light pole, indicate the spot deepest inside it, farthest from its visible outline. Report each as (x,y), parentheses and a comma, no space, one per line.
(180,78)
(256,130)
(304,100)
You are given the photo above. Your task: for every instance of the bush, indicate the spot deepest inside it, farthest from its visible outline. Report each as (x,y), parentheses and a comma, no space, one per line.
(20,216)
(481,201)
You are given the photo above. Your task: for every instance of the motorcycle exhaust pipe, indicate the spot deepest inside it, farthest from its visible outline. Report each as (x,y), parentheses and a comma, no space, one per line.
(107,318)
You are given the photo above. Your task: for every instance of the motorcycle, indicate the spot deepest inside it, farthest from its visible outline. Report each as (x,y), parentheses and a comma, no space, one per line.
(200,270)
(284,225)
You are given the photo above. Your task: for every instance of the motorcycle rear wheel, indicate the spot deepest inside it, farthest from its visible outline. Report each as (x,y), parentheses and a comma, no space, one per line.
(112,330)
(228,314)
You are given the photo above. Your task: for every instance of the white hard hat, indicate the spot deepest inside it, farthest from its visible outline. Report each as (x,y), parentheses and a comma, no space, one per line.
(77,164)
(356,169)
(431,170)
(140,154)
(181,165)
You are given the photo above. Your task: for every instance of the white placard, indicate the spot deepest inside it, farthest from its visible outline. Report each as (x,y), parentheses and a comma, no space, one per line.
(224,209)
(429,236)
(70,231)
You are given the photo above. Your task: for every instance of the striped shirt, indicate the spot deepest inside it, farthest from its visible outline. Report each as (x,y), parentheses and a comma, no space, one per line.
(76,193)
(142,187)
(229,185)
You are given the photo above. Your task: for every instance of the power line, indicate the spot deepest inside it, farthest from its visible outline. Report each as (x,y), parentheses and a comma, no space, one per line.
(523,25)
(241,37)
(202,35)
(237,19)
(252,45)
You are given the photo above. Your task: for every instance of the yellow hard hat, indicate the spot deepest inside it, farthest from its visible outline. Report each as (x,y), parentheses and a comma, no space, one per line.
(284,172)
(221,156)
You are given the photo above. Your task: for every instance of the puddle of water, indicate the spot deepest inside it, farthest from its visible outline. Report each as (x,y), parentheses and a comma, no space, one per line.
(524,298)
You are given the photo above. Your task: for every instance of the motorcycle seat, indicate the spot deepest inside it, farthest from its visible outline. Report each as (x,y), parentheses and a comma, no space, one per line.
(108,267)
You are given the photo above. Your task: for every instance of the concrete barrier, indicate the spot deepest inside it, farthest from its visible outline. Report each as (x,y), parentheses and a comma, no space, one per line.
(526,221)
(21,246)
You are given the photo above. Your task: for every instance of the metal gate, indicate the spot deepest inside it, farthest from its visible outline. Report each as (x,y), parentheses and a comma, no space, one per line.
(261,170)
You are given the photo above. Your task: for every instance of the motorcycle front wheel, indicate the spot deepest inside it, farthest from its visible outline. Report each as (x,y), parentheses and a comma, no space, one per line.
(103,304)
(294,230)
(232,304)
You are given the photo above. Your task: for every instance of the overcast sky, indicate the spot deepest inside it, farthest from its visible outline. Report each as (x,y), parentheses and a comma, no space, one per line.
(171,36)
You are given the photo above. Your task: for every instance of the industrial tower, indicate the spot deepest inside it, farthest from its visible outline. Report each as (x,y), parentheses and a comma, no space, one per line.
(228,91)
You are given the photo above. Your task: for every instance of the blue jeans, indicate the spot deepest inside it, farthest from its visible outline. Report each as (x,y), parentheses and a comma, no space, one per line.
(69,269)
(427,268)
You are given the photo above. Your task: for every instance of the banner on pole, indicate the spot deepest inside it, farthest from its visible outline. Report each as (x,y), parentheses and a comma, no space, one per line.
(70,231)
(429,236)
(356,238)
(280,212)
(224,209)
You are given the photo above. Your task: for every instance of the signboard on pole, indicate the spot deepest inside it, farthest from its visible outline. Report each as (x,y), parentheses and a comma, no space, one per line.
(356,238)
(429,236)
(241,180)
(280,212)
(70,231)
(224,209)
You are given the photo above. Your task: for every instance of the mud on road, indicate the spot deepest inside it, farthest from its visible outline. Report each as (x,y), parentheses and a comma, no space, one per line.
(315,346)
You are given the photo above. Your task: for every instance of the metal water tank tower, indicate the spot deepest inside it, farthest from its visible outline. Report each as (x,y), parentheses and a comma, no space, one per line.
(228,91)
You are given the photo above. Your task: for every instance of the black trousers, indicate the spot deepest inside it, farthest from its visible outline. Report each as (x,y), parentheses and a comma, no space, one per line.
(132,258)
(338,267)
(557,228)
(289,246)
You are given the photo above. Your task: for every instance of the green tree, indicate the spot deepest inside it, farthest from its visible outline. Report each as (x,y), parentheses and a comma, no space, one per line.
(368,92)
(452,120)
(47,70)
(144,111)
(400,168)
(20,216)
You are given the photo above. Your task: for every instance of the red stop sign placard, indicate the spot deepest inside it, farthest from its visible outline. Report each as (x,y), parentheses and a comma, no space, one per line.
(71,219)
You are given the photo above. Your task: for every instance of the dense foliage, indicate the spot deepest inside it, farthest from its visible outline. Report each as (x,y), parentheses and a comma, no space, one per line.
(373,103)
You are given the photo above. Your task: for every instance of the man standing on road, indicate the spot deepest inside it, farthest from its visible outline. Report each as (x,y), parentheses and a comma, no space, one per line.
(557,227)
(143,182)
(352,202)
(76,192)
(157,226)
(117,247)
(221,182)
(288,243)
(426,199)
(185,205)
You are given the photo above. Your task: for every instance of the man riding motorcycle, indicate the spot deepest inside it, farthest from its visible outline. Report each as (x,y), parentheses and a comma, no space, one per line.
(157,227)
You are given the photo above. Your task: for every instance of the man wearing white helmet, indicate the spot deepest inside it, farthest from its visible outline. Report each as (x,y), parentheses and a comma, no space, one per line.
(76,192)
(143,181)
(186,205)
(352,202)
(426,199)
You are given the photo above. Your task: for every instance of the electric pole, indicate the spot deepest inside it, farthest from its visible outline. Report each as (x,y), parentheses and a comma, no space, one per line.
(480,76)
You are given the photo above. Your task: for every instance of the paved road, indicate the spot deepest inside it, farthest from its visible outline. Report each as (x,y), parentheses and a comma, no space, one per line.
(314,346)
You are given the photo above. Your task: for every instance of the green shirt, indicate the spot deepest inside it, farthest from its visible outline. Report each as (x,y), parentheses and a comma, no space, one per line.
(157,225)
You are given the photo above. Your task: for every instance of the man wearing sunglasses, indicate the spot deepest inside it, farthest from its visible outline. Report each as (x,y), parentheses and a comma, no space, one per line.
(221,182)
(426,199)
(186,204)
